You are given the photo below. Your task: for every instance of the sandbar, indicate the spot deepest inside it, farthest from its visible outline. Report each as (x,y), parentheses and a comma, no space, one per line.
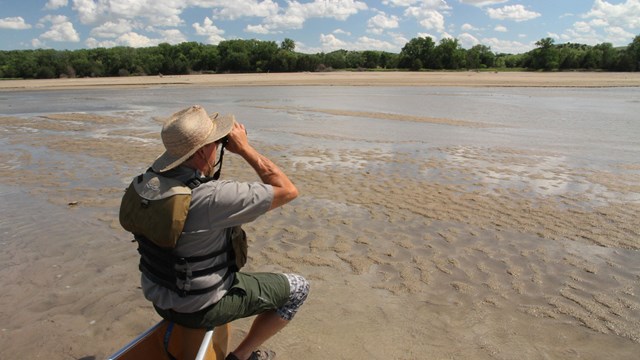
(344,78)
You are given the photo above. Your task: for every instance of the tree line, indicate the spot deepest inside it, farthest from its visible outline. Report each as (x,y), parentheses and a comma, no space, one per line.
(242,56)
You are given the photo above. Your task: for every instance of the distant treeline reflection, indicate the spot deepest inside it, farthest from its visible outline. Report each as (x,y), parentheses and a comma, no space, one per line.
(248,56)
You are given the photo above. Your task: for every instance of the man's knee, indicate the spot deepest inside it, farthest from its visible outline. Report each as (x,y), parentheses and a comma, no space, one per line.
(299,290)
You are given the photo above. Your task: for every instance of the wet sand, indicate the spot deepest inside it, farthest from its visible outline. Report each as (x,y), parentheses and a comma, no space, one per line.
(401,267)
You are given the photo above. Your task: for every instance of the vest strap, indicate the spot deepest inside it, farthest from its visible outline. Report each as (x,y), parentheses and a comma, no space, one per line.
(164,268)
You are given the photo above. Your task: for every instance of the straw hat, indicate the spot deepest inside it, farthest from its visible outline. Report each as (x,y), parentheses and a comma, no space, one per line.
(187,131)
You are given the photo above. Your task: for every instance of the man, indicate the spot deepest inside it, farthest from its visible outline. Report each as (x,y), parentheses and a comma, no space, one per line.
(207,290)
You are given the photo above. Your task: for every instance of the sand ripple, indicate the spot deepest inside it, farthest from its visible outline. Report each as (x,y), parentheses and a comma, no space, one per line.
(461,252)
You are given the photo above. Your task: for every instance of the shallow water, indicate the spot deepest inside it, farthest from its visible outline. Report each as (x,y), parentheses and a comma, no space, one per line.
(433,222)
(586,124)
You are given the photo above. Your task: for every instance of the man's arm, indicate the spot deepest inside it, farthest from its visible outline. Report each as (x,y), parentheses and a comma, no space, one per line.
(283,189)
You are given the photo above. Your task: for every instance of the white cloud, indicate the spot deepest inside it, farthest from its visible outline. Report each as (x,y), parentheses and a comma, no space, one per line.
(37,43)
(584,33)
(61,29)
(606,22)
(400,3)
(507,46)
(446,35)
(213,33)
(616,32)
(156,12)
(430,19)
(512,12)
(581,34)
(481,3)
(294,16)
(340,31)
(94,43)
(257,29)
(500,28)
(468,27)
(232,10)
(625,15)
(467,40)
(87,10)
(367,43)
(382,22)
(336,9)
(135,40)
(434,4)
(399,39)
(303,48)
(56,4)
(582,27)
(112,29)
(429,14)
(172,36)
(599,22)
(427,35)
(14,23)
(330,42)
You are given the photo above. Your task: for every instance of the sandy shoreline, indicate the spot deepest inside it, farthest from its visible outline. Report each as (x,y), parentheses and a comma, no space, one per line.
(453,79)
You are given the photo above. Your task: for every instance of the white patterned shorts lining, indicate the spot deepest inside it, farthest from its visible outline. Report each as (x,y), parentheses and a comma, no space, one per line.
(299,289)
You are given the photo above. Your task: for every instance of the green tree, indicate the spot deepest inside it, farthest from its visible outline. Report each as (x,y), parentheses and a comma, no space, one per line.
(608,56)
(211,58)
(354,60)
(511,61)
(591,59)
(283,61)
(262,54)
(388,60)
(25,64)
(422,49)
(234,56)
(371,59)
(487,57)
(449,54)
(308,62)
(546,56)
(633,54)
(81,63)
(336,59)
(473,59)
(416,64)
(569,57)
(194,54)
(288,45)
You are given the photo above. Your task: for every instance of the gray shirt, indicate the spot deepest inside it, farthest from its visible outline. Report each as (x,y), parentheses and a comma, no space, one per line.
(215,206)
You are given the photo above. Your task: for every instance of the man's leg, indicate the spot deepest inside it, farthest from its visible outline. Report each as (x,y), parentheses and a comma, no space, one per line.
(270,322)
(264,326)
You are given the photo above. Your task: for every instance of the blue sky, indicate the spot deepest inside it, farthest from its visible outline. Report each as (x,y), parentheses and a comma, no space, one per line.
(511,26)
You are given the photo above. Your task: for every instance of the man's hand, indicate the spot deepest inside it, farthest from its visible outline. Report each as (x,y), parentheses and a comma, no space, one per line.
(238,141)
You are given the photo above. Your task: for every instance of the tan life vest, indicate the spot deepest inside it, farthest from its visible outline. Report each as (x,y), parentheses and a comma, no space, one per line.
(154,208)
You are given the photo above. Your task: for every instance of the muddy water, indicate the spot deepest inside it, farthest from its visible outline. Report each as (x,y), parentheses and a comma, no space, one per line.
(433,222)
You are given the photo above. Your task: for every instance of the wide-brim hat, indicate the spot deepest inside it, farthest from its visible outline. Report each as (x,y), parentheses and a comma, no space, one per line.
(186,131)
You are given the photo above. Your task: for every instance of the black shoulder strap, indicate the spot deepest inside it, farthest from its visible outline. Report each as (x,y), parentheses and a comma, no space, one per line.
(191,183)
(195,182)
